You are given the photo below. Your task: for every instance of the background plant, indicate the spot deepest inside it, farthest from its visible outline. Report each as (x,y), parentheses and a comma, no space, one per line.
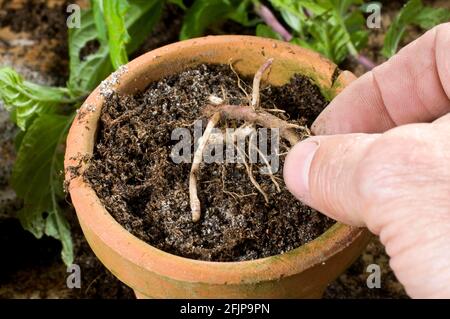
(44,113)
(334,28)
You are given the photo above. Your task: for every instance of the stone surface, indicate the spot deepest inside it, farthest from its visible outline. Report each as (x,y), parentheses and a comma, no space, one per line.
(8,200)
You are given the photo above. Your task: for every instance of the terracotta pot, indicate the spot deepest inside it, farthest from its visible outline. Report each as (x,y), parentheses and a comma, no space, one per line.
(302,272)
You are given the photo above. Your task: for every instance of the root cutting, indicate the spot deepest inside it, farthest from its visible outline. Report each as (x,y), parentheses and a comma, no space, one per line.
(198,156)
(257,83)
(252,115)
(262,118)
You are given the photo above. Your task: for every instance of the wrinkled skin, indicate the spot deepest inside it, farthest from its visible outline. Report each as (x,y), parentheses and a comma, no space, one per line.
(381,159)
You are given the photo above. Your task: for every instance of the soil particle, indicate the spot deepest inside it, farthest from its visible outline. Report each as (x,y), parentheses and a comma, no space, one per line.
(107,86)
(34,268)
(166,31)
(36,17)
(353,283)
(7,151)
(18,248)
(136,179)
(9,203)
(97,281)
(89,48)
(35,31)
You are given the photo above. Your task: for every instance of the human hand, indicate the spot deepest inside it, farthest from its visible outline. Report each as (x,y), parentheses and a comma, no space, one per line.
(381,171)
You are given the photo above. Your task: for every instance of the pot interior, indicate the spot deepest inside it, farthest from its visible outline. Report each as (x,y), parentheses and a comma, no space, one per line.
(246,54)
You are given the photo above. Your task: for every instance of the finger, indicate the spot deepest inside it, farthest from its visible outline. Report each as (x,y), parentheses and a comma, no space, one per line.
(321,172)
(352,177)
(413,86)
(443,120)
(419,248)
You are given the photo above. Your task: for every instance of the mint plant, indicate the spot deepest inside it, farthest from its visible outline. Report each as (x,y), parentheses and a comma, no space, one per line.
(412,13)
(335,28)
(204,13)
(45,113)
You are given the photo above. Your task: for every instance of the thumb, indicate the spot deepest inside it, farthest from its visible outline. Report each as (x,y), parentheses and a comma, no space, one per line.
(396,183)
(373,180)
(323,172)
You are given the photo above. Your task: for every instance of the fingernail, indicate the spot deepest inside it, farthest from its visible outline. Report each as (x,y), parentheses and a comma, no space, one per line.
(297,167)
(318,126)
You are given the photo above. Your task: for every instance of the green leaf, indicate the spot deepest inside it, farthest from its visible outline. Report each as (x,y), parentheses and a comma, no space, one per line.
(335,28)
(346,20)
(37,174)
(343,6)
(87,72)
(354,23)
(329,40)
(179,3)
(240,13)
(397,29)
(25,100)
(204,13)
(201,15)
(296,7)
(263,30)
(97,9)
(292,20)
(57,226)
(18,139)
(413,13)
(429,17)
(114,12)
(141,19)
(37,179)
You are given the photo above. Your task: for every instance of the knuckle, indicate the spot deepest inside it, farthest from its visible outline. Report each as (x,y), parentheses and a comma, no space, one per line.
(399,159)
(404,172)
(443,27)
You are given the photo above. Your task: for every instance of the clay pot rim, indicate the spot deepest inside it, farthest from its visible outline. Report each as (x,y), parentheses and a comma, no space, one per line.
(91,213)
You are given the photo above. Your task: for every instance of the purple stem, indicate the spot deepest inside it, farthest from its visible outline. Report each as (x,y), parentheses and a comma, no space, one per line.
(307,13)
(270,19)
(365,62)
